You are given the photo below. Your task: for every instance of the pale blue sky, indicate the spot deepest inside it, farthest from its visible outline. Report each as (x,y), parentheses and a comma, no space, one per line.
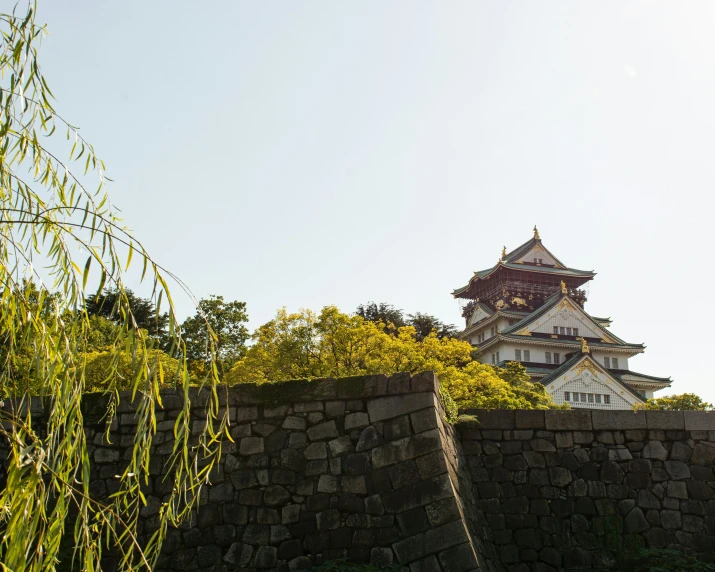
(309,153)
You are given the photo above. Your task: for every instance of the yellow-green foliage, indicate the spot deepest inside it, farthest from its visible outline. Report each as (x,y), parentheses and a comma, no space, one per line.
(307,345)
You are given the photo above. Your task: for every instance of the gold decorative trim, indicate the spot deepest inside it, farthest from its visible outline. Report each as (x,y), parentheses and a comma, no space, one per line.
(524,332)
(586,364)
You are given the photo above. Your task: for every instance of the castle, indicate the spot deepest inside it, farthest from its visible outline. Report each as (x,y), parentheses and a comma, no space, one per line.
(529,308)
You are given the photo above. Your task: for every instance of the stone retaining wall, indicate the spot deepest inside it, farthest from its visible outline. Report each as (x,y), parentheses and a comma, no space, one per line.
(573,489)
(362,468)
(367,469)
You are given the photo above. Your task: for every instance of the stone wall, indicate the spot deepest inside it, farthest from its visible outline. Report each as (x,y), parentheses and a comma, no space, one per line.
(367,469)
(574,489)
(362,468)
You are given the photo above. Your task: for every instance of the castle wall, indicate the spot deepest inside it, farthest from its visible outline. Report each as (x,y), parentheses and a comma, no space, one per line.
(367,469)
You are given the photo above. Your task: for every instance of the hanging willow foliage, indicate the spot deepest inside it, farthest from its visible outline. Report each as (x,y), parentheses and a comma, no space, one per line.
(58,234)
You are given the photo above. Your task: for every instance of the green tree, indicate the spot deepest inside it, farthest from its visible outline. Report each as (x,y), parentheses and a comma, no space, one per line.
(332,344)
(393,319)
(116,306)
(218,329)
(682,402)
(385,313)
(55,214)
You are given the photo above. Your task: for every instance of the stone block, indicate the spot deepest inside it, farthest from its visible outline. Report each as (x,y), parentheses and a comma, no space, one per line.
(295,423)
(677,470)
(665,419)
(358,420)
(334,409)
(327,484)
(703,454)
(384,408)
(424,381)
(432,465)
(542,445)
(433,541)
(568,420)
(699,420)
(429,564)
(266,557)
(239,554)
(398,383)
(424,420)
(323,431)
(458,558)
(529,419)
(341,446)
(655,450)
(308,407)
(369,439)
(361,386)
(617,420)
(381,557)
(407,448)
(420,494)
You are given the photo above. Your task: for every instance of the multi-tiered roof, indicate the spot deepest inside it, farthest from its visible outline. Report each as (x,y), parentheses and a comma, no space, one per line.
(532,304)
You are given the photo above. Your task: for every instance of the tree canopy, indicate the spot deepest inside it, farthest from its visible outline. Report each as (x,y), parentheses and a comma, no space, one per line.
(682,402)
(392,319)
(333,344)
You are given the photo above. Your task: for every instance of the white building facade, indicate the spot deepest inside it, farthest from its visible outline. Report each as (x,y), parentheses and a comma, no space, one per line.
(529,308)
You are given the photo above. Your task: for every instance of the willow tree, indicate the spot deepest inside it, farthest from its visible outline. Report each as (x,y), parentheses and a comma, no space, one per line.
(61,241)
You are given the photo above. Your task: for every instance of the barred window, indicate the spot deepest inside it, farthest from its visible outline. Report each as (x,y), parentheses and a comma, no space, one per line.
(583,398)
(562,331)
(568,331)
(497,357)
(590,397)
(527,355)
(547,356)
(615,363)
(567,396)
(557,358)
(598,398)
(556,329)
(607,362)
(575,331)
(517,355)
(607,399)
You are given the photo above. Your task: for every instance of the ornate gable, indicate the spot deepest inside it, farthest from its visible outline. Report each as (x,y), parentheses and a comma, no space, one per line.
(568,314)
(539,255)
(479,314)
(585,384)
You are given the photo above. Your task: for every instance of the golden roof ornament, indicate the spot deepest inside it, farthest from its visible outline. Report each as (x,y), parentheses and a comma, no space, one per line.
(503,253)
(564,290)
(584,347)
(536,233)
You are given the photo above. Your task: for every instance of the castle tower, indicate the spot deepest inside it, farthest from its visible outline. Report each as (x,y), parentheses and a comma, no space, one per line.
(529,308)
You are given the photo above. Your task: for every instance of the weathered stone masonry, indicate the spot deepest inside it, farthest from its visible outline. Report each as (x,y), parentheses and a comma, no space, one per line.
(571,489)
(367,469)
(359,468)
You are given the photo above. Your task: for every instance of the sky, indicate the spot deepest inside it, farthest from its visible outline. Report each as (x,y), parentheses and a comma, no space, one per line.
(308,153)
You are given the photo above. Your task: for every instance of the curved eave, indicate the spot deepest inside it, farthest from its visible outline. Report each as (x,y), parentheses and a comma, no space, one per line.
(532,341)
(551,271)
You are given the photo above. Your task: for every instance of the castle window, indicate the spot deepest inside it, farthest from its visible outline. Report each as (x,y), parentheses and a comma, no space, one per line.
(583,398)
(568,331)
(607,362)
(527,355)
(598,398)
(615,363)
(590,397)
(517,355)
(493,362)
(547,356)
(562,331)
(556,329)
(575,331)
(557,358)
(567,396)
(480,338)
(575,397)
(607,399)
(492,331)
